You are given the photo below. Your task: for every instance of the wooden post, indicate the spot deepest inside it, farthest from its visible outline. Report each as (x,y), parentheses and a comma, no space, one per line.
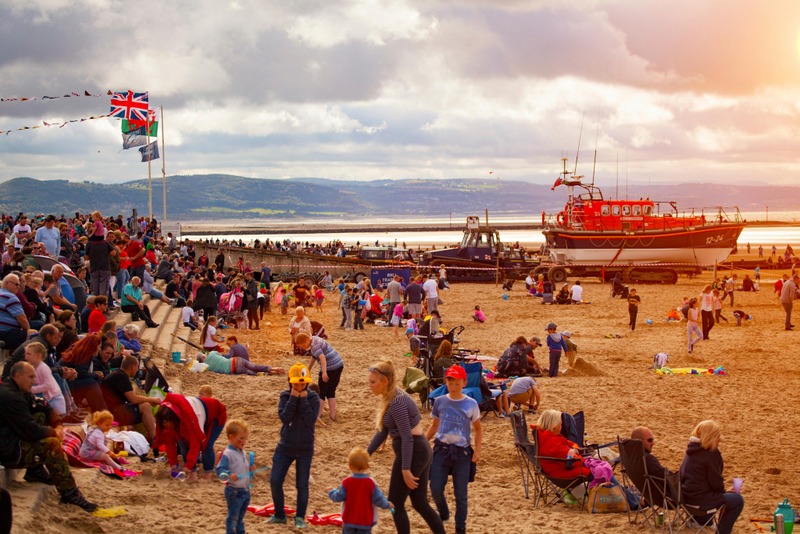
(487,217)
(163,170)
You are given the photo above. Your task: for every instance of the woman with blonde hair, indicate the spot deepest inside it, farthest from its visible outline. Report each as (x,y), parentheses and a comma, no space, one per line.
(702,484)
(398,417)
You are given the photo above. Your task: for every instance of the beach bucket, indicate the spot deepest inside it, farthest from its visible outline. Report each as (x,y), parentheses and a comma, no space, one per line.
(176,357)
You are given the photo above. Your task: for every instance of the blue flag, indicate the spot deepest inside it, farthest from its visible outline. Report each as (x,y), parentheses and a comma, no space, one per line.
(134,138)
(149,152)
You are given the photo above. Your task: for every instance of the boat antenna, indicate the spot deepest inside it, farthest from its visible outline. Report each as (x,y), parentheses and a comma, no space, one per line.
(617,193)
(626,174)
(596,137)
(580,134)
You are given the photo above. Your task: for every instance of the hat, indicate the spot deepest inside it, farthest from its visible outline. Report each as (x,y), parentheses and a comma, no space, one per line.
(410,331)
(551,326)
(50,218)
(456,371)
(566,333)
(298,374)
(536,340)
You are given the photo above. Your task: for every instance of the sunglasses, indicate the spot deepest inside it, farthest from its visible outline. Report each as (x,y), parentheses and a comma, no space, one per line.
(650,440)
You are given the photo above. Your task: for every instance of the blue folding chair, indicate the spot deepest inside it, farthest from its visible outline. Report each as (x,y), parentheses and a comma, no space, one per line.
(472,389)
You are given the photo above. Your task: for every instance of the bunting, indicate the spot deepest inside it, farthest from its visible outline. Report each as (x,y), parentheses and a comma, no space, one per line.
(48,124)
(68,95)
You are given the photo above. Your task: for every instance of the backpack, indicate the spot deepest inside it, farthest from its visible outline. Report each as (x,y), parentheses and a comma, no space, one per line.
(508,364)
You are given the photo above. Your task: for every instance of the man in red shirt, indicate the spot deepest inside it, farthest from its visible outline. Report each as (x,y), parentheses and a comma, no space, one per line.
(136,252)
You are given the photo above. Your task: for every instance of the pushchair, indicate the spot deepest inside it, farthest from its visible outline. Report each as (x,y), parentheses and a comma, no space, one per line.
(153,379)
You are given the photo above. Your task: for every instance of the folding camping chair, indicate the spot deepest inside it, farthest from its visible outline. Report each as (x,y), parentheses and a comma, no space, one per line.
(472,389)
(686,515)
(526,453)
(551,490)
(153,379)
(653,489)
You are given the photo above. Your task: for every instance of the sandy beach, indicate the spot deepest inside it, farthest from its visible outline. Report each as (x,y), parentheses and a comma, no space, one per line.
(755,405)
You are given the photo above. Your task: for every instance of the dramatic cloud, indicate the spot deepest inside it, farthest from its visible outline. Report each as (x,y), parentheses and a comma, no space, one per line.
(368,89)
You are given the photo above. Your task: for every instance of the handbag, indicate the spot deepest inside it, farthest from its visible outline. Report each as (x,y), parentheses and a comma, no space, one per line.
(607,498)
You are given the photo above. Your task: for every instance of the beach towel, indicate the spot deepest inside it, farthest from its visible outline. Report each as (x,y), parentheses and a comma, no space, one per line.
(660,360)
(72,447)
(601,471)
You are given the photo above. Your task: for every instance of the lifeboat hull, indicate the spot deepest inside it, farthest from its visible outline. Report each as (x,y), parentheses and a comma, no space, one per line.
(704,245)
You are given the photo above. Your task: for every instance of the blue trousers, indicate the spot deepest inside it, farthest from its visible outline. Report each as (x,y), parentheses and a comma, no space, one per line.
(207,456)
(442,467)
(280,466)
(733,507)
(237,499)
(555,357)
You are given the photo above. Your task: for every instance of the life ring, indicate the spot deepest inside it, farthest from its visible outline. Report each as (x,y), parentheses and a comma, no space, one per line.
(560,218)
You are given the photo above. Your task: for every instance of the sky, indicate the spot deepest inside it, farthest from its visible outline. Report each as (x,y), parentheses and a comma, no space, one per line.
(674,90)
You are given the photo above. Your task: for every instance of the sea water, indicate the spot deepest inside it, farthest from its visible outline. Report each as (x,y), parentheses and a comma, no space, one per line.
(281,229)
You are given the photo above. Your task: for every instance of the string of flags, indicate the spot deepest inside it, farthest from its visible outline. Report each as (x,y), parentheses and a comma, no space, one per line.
(138,120)
(68,95)
(48,124)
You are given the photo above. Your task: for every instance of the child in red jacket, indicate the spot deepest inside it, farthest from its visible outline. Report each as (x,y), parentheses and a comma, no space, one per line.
(361,496)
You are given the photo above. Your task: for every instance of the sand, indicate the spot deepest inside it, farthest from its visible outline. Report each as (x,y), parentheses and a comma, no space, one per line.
(756,404)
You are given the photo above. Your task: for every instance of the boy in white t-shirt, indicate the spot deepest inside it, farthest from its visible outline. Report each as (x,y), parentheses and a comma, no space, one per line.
(188,316)
(577,293)
(454,416)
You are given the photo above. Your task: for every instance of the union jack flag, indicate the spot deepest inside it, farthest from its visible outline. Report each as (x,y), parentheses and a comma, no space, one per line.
(130,105)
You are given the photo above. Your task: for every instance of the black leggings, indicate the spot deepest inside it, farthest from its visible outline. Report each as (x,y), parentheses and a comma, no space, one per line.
(708,322)
(5,512)
(399,492)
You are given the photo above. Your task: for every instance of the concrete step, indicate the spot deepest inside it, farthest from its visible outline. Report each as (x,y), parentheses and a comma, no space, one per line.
(159,312)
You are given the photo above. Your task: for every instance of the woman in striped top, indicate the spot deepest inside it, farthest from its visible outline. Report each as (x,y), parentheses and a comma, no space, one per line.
(398,417)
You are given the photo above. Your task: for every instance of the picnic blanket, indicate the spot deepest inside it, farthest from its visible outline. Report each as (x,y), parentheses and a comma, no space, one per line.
(72,447)
(719,371)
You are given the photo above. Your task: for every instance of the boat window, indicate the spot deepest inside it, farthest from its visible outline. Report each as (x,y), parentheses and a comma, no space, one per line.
(626,210)
(465,239)
(471,242)
(637,209)
(605,210)
(373,254)
(648,210)
(615,210)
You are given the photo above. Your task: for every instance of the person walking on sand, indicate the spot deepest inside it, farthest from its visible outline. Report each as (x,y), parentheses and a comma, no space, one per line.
(691,325)
(789,293)
(633,308)
(707,310)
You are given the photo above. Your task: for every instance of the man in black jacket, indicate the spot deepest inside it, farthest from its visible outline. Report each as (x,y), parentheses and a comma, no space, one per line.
(654,467)
(31,434)
(251,297)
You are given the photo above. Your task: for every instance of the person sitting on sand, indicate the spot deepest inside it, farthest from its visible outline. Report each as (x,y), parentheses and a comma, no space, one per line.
(563,296)
(300,324)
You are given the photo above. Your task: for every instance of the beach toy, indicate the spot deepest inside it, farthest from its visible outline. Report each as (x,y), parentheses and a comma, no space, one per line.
(110,512)
(490,375)
(322,520)
(225,477)
(785,509)
(178,474)
(176,357)
(269,510)
(649,321)
(505,297)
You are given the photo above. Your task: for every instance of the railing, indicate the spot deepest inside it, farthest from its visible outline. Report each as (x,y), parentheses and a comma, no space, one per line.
(689,217)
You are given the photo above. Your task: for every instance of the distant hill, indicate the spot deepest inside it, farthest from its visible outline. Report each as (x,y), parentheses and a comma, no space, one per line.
(227,196)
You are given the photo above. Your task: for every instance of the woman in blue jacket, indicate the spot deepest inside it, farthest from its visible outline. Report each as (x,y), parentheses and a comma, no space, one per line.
(702,484)
(297,409)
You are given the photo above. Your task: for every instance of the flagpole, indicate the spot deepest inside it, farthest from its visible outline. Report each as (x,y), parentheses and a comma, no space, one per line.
(163,169)
(149,175)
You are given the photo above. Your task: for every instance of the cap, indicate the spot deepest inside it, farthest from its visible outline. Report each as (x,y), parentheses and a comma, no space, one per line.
(298,374)
(537,340)
(50,218)
(551,326)
(456,371)
(410,331)
(566,333)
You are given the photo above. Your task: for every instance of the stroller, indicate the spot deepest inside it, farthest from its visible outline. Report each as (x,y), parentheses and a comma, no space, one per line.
(155,385)
(230,308)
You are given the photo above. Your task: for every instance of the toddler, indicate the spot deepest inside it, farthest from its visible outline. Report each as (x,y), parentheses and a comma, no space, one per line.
(94,446)
(359,302)
(397,317)
(479,316)
(235,463)
(95,229)
(206,392)
(45,383)
(285,302)
(318,298)
(718,307)
(361,496)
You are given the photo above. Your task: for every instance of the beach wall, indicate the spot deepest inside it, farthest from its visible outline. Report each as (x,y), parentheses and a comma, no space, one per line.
(284,262)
